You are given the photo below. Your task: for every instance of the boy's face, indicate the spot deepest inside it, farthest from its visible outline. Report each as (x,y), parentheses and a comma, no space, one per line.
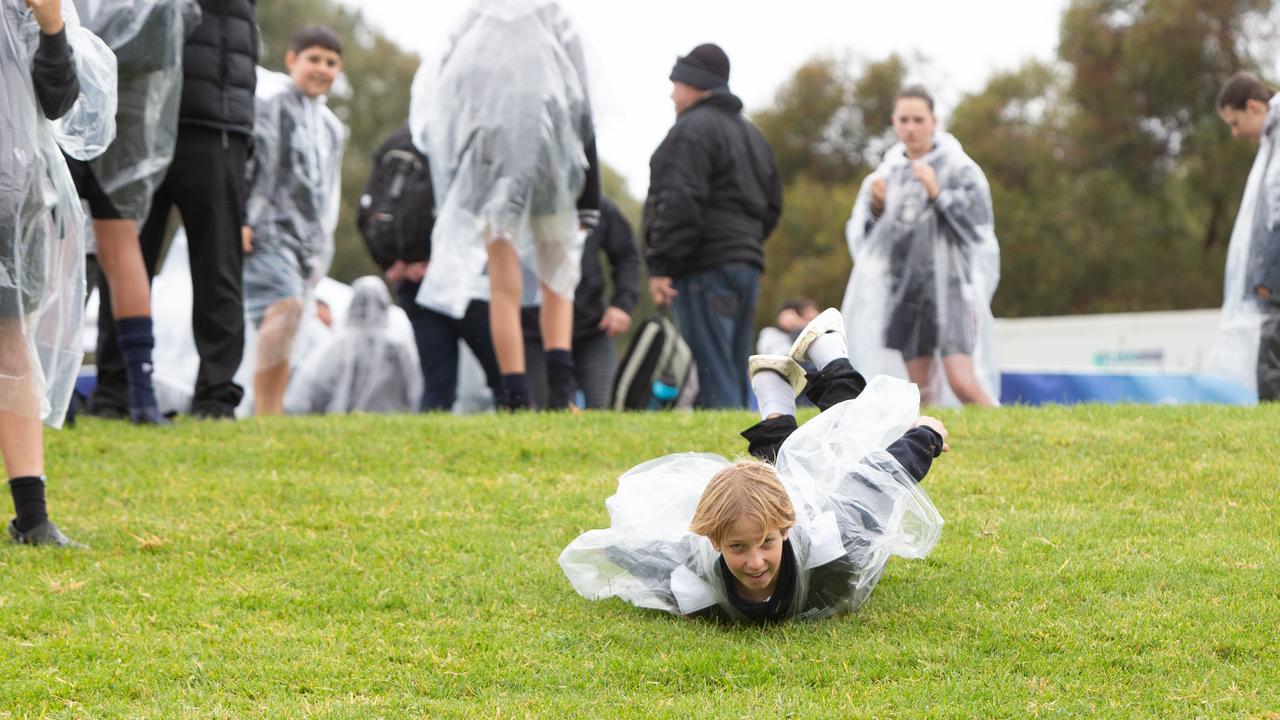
(314,69)
(1246,123)
(754,563)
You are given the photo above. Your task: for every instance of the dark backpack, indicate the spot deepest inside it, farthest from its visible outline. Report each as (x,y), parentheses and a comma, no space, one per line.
(397,209)
(657,371)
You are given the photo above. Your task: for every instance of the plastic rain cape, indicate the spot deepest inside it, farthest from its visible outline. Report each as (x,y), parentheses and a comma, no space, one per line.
(294,191)
(852,501)
(924,275)
(363,368)
(41,222)
(147,38)
(504,117)
(1235,354)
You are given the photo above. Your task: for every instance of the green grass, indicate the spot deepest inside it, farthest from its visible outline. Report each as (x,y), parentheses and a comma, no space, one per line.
(1096,562)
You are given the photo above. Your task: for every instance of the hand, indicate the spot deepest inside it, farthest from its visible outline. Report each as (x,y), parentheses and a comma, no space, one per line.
(246,239)
(925,174)
(48,15)
(395,273)
(1263,291)
(879,191)
(615,321)
(415,271)
(935,425)
(661,291)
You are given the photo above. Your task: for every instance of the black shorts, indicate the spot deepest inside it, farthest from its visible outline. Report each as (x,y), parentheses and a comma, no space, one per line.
(88,188)
(913,328)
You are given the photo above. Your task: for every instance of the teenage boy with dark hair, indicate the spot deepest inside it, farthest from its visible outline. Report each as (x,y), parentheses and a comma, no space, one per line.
(50,68)
(294,190)
(1251,304)
(206,182)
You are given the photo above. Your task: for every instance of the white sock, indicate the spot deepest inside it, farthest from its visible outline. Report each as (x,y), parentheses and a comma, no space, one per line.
(773,394)
(829,346)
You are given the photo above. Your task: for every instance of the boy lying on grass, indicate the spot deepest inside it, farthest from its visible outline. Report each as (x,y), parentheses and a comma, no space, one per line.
(803,532)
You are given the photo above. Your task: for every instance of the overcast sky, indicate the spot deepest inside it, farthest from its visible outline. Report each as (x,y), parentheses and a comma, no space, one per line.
(631,47)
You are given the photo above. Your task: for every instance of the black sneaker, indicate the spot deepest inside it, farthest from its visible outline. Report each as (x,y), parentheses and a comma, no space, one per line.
(213,411)
(108,412)
(46,533)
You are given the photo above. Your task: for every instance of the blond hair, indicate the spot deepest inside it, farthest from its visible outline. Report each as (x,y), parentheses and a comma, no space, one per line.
(747,488)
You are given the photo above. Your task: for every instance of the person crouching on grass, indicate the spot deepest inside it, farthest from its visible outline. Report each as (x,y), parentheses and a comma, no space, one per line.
(293,203)
(802,531)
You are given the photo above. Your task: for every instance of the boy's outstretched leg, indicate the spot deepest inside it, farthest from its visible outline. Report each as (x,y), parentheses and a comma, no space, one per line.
(775,380)
(822,343)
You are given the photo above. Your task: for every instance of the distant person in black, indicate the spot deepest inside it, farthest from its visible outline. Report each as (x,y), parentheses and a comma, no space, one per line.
(396,218)
(714,196)
(206,182)
(595,322)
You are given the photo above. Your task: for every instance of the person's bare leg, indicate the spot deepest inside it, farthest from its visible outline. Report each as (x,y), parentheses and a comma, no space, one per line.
(120,255)
(505,286)
(918,371)
(275,344)
(963,379)
(22,445)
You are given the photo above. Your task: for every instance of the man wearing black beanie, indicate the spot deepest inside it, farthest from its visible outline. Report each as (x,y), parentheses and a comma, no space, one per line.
(714,196)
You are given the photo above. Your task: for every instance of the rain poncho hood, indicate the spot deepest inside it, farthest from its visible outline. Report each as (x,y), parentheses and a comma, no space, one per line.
(504,117)
(924,273)
(855,506)
(147,38)
(1235,354)
(42,225)
(364,367)
(295,187)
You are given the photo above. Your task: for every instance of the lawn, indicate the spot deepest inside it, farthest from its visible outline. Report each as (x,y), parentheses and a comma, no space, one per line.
(1096,562)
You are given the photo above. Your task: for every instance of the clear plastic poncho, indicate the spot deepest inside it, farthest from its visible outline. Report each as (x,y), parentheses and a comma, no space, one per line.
(924,274)
(147,37)
(364,367)
(294,192)
(42,224)
(1235,354)
(855,508)
(505,118)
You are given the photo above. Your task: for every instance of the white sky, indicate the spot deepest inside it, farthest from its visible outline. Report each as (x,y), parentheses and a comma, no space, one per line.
(631,47)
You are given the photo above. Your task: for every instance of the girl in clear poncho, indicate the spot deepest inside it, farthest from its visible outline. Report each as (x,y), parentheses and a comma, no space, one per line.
(926,263)
(50,67)
(147,39)
(292,211)
(506,121)
(806,532)
(364,368)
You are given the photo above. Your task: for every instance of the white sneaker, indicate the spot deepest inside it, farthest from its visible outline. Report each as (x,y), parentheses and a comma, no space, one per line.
(829,320)
(781,364)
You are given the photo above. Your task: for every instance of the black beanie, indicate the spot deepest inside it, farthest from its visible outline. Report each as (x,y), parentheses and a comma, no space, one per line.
(706,67)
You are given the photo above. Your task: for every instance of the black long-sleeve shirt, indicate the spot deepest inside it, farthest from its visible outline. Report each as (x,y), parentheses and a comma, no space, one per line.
(53,74)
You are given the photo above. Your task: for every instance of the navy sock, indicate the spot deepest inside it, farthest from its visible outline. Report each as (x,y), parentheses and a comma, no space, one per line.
(135,338)
(515,392)
(560,379)
(28,501)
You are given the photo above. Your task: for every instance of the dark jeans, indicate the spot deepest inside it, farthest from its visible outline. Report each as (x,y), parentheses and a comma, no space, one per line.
(715,312)
(206,181)
(437,337)
(834,384)
(594,363)
(1269,357)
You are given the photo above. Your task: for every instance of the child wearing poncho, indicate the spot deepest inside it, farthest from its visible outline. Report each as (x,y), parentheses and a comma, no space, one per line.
(803,533)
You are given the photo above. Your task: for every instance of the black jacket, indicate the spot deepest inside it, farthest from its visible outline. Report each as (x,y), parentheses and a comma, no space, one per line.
(53,75)
(219,65)
(714,191)
(612,235)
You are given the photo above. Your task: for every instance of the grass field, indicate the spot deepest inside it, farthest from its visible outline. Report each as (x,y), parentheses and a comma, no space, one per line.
(1096,562)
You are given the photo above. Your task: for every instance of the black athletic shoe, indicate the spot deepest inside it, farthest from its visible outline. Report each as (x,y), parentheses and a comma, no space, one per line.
(148,416)
(108,412)
(46,533)
(213,411)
